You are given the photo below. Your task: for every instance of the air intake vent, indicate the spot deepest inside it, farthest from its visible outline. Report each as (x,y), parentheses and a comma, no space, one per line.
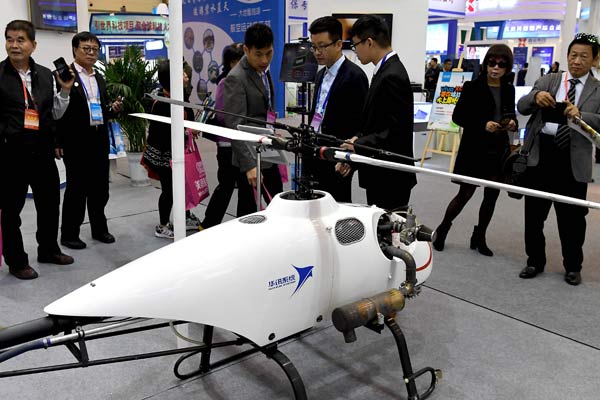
(253,219)
(349,230)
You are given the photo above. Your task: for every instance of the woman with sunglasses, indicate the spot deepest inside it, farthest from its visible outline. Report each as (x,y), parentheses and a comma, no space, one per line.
(486,111)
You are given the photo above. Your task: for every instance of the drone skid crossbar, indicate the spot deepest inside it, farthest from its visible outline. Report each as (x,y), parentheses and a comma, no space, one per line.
(77,344)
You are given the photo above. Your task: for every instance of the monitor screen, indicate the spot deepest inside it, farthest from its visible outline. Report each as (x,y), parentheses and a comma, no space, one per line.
(55,15)
(437,38)
(298,63)
(348,20)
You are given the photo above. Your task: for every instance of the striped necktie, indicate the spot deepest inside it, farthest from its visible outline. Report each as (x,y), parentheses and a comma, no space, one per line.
(563,133)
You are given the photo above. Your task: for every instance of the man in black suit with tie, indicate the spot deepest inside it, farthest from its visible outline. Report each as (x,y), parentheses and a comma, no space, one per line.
(387,115)
(341,89)
(83,135)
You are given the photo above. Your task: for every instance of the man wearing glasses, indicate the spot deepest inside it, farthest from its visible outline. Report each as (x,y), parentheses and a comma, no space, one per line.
(560,160)
(83,136)
(341,90)
(387,115)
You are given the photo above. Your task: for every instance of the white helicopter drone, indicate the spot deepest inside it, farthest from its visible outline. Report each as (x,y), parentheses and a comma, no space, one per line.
(355,263)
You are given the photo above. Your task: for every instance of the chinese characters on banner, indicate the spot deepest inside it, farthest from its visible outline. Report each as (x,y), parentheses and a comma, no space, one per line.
(211,25)
(446,96)
(128,24)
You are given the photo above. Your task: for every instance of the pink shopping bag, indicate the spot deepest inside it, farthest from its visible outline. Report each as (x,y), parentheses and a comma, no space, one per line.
(196,186)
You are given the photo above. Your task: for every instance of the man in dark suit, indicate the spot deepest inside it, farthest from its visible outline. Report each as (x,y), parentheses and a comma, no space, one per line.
(560,160)
(28,106)
(387,114)
(341,89)
(248,90)
(83,135)
(521,75)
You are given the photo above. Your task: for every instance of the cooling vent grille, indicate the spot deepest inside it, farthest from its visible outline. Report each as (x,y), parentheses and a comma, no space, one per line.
(349,230)
(253,219)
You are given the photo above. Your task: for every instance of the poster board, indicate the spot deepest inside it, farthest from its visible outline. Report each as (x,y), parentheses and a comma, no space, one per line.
(447,93)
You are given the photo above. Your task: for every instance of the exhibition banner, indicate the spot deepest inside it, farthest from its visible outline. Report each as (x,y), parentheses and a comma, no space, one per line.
(520,56)
(447,93)
(128,24)
(211,25)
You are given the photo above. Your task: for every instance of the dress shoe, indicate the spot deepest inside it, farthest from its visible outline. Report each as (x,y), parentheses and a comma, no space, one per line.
(76,244)
(573,278)
(23,273)
(104,238)
(59,259)
(530,272)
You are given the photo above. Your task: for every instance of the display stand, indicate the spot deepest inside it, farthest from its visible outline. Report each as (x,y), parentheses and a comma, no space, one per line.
(440,147)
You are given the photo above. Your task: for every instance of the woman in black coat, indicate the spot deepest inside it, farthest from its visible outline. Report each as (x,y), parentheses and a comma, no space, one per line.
(486,111)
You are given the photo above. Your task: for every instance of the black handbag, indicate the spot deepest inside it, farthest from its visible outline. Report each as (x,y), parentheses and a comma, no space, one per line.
(515,166)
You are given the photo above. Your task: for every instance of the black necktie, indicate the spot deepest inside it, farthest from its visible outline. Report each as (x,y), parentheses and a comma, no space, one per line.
(563,133)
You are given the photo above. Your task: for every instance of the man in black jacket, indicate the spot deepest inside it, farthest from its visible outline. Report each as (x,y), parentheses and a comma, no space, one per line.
(387,115)
(341,89)
(82,132)
(28,107)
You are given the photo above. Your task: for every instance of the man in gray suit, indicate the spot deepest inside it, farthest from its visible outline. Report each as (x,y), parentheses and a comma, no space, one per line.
(560,160)
(248,90)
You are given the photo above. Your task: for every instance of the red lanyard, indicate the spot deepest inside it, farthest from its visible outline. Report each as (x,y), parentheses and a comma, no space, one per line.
(566,89)
(25,94)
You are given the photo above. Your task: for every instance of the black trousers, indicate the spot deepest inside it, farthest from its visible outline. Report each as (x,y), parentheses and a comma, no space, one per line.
(553,174)
(23,166)
(87,168)
(227,174)
(328,180)
(388,198)
(246,201)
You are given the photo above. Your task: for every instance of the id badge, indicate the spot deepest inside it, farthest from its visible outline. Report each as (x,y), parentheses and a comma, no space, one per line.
(271,117)
(316,122)
(32,119)
(96,113)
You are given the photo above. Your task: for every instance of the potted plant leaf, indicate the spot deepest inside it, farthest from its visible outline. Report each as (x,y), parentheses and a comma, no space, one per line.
(131,77)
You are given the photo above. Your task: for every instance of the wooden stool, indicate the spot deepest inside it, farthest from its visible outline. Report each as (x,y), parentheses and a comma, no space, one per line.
(439,148)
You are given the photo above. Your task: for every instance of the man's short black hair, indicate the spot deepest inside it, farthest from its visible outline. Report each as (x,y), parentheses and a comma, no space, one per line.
(586,39)
(83,37)
(258,36)
(447,60)
(434,59)
(327,24)
(374,27)
(21,25)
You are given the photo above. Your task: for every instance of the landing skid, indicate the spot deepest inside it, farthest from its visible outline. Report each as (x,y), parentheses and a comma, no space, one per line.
(77,346)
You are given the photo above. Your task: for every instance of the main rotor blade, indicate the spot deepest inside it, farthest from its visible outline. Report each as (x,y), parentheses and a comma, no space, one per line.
(345,156)
(213,129)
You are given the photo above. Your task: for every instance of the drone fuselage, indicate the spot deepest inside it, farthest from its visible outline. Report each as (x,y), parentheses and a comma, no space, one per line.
(265,276)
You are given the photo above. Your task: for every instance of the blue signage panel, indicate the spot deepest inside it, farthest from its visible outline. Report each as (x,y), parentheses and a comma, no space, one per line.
(520,56)
(545,53)
(211,25)
(535,28)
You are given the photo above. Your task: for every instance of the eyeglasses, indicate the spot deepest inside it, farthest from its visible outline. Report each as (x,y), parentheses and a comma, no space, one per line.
(353,45)
(90,50)
(321,48)
(592,39)
(500,64)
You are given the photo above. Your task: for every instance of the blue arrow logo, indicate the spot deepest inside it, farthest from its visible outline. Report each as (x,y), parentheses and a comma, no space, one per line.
(305,273)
